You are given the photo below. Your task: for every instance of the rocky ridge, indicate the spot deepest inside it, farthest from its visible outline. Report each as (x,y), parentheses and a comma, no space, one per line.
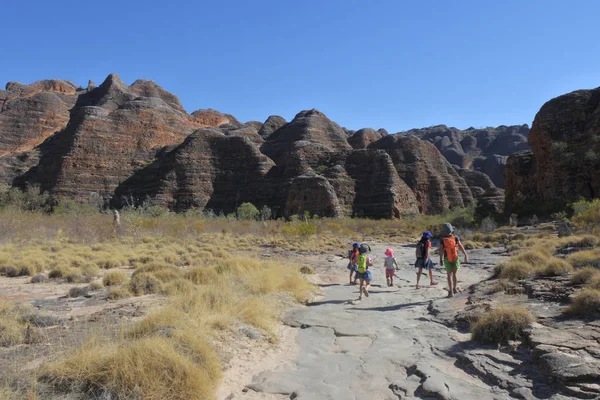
(127,144)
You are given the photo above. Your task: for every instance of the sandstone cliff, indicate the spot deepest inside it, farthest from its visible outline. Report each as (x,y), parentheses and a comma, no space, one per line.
(565,160)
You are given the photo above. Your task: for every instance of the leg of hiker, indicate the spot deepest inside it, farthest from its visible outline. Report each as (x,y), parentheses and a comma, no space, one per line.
(366,287)
(351,271)
(431,281)
(454,282)
(360,289)
(449,275)
(419,277)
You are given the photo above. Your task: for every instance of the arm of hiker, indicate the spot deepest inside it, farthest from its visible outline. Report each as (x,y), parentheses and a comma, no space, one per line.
(462,248)
(396,264)
(427,253)
(441,253)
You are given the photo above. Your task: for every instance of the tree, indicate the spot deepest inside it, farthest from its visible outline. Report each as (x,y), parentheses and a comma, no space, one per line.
(247,211)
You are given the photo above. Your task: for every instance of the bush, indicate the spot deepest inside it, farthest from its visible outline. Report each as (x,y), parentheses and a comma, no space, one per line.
(584,275)
(514,270)
(585,303)
(585,258)
(118,293)
(144,283)
(247,211)
(78,291)
(555,267)
(96,285)
(501,325)
(586,214)
(114,278)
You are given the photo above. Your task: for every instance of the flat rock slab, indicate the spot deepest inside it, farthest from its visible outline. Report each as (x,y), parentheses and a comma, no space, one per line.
(386,346)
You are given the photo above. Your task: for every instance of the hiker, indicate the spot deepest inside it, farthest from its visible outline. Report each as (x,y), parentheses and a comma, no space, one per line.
(352,262)
(363,273)
(424,259)
(391,265)
(449,246)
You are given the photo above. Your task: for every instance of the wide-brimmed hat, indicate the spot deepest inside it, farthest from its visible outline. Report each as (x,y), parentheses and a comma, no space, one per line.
(389,252)
(364,248)
(447,229)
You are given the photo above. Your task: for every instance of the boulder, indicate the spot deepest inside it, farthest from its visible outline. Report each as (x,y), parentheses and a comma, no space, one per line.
(437,186)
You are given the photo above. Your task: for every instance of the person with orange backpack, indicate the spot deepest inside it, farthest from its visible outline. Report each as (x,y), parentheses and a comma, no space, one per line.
(449,246)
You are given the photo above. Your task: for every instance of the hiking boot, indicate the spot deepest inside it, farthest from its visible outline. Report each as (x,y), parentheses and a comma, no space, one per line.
(455,291)
(450,294)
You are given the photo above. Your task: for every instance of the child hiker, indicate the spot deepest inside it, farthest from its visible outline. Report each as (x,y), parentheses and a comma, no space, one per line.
(363,273)
(449,246)
(352,261)
(390,265)
(423,258)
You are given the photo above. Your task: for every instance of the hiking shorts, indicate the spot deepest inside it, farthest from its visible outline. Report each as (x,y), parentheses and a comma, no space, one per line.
(365,276)
(451,266)
(389,273)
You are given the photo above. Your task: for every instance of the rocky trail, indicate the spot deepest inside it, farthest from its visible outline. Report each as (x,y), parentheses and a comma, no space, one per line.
(387,346)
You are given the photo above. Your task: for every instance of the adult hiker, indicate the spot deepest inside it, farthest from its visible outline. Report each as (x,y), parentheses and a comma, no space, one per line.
(352,262)
(363,273)
(449,246)
(424,259)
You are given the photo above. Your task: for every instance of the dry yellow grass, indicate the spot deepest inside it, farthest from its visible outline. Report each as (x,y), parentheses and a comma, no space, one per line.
(585,275)
(584,258)
(501,325)
(118,293)
(586,303)
(160,368)
(555,267)
(114,278)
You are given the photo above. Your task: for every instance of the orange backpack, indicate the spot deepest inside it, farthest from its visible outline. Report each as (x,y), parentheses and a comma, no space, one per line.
(450,248)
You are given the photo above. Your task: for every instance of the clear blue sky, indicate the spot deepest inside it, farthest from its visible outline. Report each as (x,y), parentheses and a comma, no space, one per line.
(377,63)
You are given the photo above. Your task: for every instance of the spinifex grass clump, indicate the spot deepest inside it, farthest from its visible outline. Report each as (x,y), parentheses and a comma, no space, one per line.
(585,304)
(501,325)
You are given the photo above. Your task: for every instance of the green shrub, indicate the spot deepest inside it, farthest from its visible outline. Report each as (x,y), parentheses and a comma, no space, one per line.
(247,211)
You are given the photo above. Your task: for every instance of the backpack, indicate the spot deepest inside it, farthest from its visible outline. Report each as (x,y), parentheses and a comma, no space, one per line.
(362,263)
(450,248)
(420,251)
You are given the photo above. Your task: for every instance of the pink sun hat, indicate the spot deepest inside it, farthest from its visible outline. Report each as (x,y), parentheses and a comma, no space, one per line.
(389,252)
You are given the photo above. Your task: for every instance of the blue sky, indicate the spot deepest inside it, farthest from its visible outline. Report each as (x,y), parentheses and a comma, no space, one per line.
(378,63)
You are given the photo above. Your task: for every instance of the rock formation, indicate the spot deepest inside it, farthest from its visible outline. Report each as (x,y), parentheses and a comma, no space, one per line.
(437,186)
(564,163)
(490,199)
(364,137)
(272,123)
(133,144)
